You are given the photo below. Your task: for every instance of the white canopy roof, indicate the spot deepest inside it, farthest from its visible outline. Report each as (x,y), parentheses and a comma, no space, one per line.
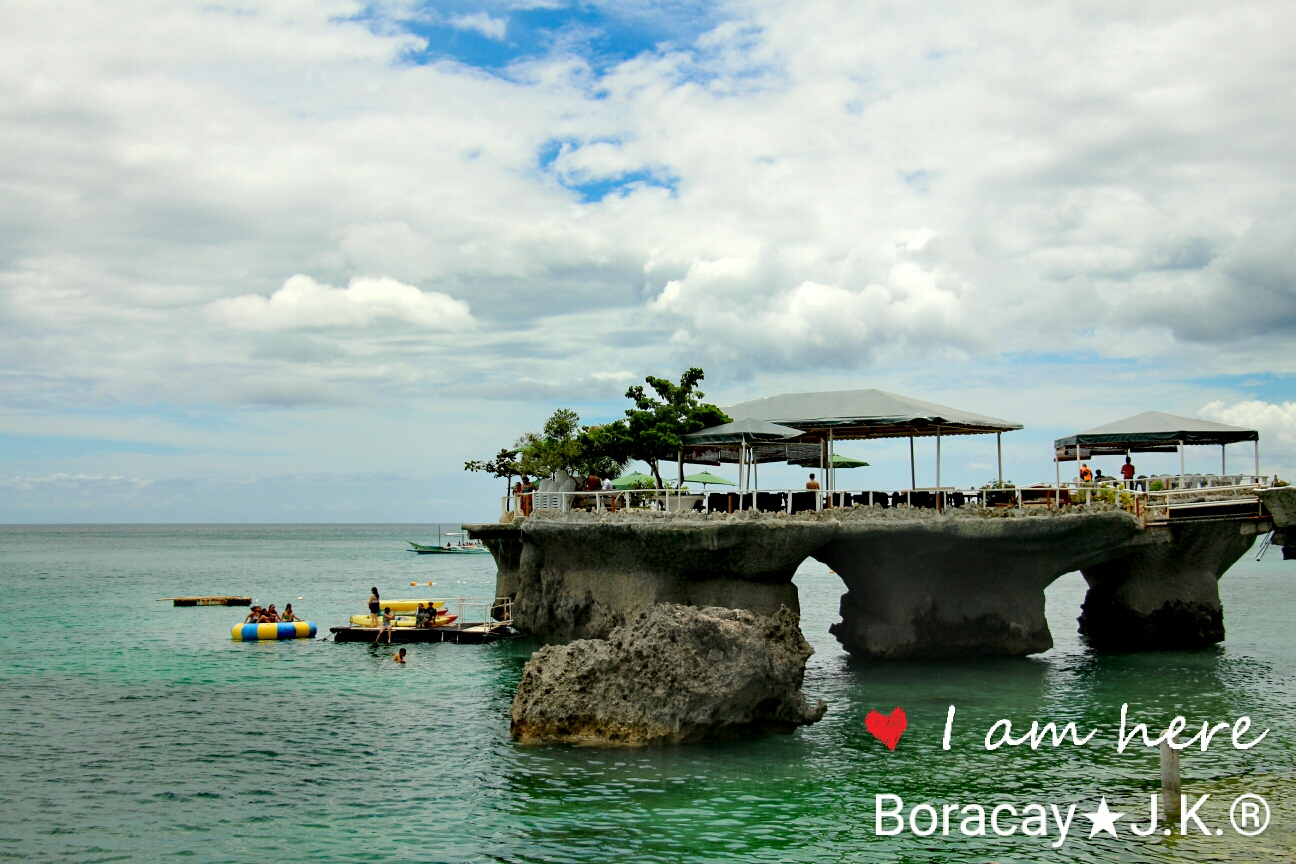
(867,414)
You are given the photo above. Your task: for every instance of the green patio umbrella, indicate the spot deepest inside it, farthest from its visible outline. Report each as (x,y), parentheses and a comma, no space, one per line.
(707,477)
(625,481)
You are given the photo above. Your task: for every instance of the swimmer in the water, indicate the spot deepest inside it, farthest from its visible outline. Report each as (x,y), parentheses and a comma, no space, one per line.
(400,656)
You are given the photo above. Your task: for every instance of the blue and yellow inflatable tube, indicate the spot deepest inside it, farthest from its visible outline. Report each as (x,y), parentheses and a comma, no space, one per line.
(260,632)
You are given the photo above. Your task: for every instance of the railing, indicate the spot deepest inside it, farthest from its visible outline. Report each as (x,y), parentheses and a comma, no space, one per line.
(1133,496)
(497,612)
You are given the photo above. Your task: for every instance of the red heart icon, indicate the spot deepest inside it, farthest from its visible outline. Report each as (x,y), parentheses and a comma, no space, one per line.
(887,729)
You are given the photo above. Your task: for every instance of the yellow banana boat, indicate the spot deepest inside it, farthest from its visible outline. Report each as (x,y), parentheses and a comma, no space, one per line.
(401,620)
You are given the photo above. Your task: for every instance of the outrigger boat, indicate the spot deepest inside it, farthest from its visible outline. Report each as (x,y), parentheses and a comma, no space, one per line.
(470,548)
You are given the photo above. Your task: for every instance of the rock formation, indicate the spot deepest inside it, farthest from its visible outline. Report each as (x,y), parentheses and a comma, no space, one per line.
(676,674)
(1165,595)
(919,583)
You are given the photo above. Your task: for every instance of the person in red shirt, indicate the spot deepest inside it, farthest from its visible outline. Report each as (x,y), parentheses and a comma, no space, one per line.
(1127,470)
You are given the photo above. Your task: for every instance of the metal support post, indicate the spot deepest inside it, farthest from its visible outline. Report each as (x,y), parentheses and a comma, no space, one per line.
(999,447)
(938,459)
(913,476)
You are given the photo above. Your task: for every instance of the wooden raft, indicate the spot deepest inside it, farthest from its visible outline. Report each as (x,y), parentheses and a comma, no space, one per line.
(218,600)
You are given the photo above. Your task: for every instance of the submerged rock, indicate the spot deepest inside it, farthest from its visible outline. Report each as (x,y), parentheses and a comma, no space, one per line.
(676,674)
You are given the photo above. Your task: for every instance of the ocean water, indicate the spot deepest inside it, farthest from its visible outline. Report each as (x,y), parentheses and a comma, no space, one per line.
(134,731)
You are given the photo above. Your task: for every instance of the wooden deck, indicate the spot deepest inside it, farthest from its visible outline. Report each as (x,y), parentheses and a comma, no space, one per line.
(469,634)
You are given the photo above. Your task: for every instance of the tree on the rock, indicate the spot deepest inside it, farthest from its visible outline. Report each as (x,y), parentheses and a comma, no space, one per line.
(554,448)
(655,424)
(504,465)
(564,445)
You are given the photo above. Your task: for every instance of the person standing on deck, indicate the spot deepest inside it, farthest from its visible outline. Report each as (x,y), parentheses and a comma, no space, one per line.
(1127,471)
(1085,474)
(528,495)
(812,483)
(374,607)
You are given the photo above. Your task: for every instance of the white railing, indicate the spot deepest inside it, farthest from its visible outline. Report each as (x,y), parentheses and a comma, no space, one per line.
(496,612)
(1133,496)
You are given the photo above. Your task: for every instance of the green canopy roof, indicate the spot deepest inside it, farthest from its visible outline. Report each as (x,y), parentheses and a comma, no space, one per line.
(1149,432)
(739,431)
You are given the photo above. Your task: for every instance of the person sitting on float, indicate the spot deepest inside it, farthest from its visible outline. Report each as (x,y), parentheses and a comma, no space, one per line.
(388,624)
(270,616)
(288,615)
(253,616)
(420,615)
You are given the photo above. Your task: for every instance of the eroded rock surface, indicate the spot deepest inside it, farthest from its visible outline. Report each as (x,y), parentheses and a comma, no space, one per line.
(1164,596)
(675,674)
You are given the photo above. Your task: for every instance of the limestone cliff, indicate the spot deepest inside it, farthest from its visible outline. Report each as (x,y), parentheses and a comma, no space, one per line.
(676,674)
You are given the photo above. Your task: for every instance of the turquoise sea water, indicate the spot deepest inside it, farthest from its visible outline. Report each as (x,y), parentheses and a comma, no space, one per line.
(134,731)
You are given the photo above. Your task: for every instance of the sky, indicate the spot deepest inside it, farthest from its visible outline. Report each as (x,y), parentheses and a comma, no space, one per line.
(299,261)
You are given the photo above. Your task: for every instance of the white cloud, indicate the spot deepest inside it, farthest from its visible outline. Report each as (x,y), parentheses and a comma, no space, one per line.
(857,194)
(1275,422)
(72,481)
(723,307)
(481,22)
(304,303)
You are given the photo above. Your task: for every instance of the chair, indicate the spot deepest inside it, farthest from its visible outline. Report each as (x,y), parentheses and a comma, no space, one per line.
(803,501)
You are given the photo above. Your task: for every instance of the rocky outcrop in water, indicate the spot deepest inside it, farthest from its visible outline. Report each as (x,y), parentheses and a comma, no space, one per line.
(675,674)
(967,581)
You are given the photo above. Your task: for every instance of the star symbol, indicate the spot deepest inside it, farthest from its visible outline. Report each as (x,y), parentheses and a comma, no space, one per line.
(1103,819)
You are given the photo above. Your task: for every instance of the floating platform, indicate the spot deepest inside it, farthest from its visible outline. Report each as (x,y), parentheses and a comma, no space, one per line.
(270,632)
(469,634)
(218,600)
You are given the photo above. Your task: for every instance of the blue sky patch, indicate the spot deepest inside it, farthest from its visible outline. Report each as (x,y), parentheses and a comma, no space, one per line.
(492,35)
(592,189)
(597,190)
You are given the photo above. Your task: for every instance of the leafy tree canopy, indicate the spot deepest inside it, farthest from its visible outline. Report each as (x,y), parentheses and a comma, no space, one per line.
(504,465)
(655,424)
(650,432)
(564,445)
